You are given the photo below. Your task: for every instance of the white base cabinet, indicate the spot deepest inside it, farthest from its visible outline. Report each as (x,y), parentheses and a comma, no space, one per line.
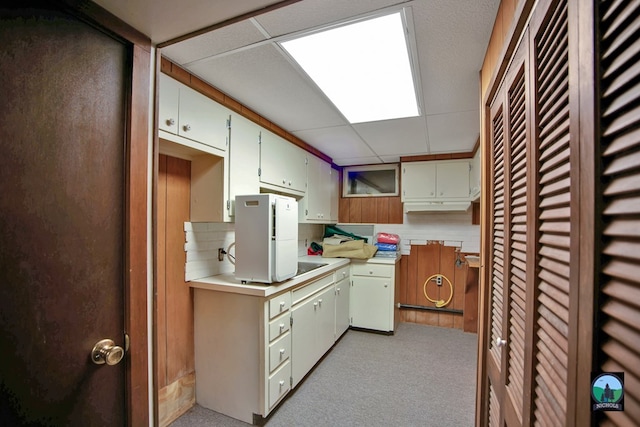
(342,279)
(242,352)
(312,326)
(251,351)
(374,295)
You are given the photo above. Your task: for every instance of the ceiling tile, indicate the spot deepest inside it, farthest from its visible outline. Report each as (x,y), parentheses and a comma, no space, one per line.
(213,43)
(336,142)
(313,13)
(163,20)
(395,137)
(262,79)
(453,132)
(352,161)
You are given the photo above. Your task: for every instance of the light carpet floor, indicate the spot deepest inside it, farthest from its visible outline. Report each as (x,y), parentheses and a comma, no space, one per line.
(421,376)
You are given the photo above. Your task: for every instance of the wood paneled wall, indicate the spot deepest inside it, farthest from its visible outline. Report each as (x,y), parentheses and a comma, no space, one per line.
(423,262)
(174,349)
(370,210)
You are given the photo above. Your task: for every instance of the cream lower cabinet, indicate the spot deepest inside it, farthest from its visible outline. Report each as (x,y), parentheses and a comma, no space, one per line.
(313,325)
(374,295)
(251,351)
(243,352)
(342,279)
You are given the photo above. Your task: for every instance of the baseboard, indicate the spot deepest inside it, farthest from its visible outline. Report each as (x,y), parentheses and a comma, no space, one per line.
(176,399)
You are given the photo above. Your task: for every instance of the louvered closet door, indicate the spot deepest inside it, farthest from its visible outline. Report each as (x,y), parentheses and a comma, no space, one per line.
(497,268)
(550,46)
(508,308)
(619,317)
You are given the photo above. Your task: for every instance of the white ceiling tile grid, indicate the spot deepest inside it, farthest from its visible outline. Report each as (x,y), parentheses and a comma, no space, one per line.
(244,61)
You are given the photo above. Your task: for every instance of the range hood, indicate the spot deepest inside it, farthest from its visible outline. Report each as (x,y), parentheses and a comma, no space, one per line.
(417,207)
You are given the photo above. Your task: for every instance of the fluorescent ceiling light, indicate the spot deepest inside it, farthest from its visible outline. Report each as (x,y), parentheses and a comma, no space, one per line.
(363,68)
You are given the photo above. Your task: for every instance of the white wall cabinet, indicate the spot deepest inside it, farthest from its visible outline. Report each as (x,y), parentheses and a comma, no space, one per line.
(185,113)
(335,195)
(474,179)
(244,161)
(435,180)
(315,206)
(374,294)
(282,165)
(313,325)
(342,279)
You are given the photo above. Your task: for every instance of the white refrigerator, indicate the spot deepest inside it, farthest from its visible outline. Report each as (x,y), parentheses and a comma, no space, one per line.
(266,247)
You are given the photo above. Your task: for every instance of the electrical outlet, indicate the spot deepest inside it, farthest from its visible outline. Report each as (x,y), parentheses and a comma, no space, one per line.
(439,280)
(221,253)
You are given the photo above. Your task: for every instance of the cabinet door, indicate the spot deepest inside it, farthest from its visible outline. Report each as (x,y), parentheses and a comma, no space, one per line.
(418,181)
(325,320)
(474,178)
(452,180)
(319,191)
(370,303)
(303,339)
(244,159)
(168,104)
(342,306)
(281,163)
(202,119)
(335,194)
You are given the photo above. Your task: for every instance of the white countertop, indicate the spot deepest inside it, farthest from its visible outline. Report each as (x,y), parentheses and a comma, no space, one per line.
(228,283)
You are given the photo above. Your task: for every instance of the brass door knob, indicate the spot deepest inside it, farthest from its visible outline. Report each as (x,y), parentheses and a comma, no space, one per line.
(106,351)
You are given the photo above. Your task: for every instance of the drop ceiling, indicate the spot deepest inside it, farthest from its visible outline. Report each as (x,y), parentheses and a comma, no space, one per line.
(243,60)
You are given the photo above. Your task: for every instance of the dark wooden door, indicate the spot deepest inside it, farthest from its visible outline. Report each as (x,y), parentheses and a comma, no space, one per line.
(62,202)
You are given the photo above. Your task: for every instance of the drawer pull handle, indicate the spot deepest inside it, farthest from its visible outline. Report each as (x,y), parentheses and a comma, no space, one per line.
(281,326)
(282,303)
(315,305)
(281,383)
(281,352)
(320,302)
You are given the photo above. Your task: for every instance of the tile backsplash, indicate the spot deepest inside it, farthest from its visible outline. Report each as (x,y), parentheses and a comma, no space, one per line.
(202,239)
(452,228)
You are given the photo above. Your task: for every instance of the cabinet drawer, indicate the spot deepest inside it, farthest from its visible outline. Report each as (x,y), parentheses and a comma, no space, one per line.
(279,304)
(278,327)
(373,270)
(313,287)
(279,383)
(279,351)
(342,273)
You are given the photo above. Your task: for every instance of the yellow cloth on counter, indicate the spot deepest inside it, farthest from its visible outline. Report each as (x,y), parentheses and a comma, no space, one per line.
(357,249)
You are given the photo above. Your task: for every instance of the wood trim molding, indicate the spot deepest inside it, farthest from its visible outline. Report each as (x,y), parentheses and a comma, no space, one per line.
(175,71)
(446,156)
(136,241)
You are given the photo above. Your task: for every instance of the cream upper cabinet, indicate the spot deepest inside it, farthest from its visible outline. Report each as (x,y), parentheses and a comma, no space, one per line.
(282,164)
(474,179)
(315,206)
(418,181)
(440,180)
(335,194)
(185,113)
(244,160)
